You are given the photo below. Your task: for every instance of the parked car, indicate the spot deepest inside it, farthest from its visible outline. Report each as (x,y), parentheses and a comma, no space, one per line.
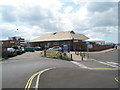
(23,49)
(18,49)
(11,52)
(56,48)
(38,48)
(29,49)
(4,53)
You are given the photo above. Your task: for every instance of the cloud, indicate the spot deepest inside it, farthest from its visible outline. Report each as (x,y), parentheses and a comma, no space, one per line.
(35,17)
(8,13)
(100,6)
(106,17)
(95,39)
(68,9)
(10,30)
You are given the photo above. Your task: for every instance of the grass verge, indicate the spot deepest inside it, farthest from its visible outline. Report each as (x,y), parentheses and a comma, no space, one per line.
(55,54)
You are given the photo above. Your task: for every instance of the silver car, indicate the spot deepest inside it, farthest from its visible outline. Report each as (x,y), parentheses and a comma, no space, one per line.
(11,52)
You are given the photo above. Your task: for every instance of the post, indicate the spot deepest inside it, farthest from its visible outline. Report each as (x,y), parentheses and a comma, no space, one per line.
(45,52)
(71,57)
(87,42)
(84,54)
(44,49)
(60,55)
(6,54)
(75,50)
(82,57)
(87,53)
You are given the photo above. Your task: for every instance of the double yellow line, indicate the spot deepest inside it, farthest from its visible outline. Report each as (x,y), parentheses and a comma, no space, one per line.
(29,82)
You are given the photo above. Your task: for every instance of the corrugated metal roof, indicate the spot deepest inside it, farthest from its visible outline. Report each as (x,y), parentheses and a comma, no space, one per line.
(59,36)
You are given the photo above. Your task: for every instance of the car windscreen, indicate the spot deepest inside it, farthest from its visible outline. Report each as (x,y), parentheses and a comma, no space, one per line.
(15,47)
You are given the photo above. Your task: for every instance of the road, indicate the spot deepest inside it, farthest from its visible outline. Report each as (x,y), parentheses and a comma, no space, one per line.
(111,56)
(85,74)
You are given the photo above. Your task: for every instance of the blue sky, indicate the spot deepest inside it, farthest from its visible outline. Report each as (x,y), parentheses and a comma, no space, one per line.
(34,18)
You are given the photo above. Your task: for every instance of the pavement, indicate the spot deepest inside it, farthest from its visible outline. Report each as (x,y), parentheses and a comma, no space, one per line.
(110,56)
(100,73)
(77,57)
(90,55)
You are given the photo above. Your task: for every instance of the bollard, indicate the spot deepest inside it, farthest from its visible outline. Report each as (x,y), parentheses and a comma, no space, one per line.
(75,51)
(45,53)
(82,58)
(82,54)
(71,57)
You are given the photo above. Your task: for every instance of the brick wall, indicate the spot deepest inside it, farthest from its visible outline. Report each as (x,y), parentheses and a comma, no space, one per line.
(83,46)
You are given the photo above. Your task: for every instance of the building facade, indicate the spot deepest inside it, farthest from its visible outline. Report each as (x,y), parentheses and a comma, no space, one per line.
(74,40)
(12,41)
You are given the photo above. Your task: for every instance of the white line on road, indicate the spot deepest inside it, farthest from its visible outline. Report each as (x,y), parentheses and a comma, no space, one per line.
(80,65)
(37,82)
(113,63)
(107,64)
(38,78)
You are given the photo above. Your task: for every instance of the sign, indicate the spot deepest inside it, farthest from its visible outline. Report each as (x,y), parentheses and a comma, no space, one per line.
(65,48)
(90,46)
(75,41)
(11,42)
(87,42)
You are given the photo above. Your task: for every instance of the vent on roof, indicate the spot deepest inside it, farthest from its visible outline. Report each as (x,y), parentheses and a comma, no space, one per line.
(54,33)
(72,32)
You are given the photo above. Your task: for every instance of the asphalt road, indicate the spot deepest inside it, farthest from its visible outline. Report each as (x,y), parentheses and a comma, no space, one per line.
(111,56)
(78,78)
(16,72)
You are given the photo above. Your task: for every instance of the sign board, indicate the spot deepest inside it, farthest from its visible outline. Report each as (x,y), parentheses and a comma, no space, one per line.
(75,41)
(87,42)
(65,48)
(11,42)
(90,46)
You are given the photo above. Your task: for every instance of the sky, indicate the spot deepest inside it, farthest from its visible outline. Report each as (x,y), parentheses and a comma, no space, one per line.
(34,18)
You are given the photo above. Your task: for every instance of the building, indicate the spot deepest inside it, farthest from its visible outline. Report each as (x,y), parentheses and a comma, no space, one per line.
(12,41)
(74,40)
(99,42)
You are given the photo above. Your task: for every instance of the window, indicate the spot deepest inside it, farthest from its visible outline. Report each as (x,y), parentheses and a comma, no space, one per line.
(55,43)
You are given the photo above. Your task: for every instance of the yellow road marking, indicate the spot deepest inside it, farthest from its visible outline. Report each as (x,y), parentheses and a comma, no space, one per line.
(104,68)
(29,82)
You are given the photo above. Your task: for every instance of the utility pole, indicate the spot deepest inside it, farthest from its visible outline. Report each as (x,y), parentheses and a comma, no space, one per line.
(18,36)
(18,32)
